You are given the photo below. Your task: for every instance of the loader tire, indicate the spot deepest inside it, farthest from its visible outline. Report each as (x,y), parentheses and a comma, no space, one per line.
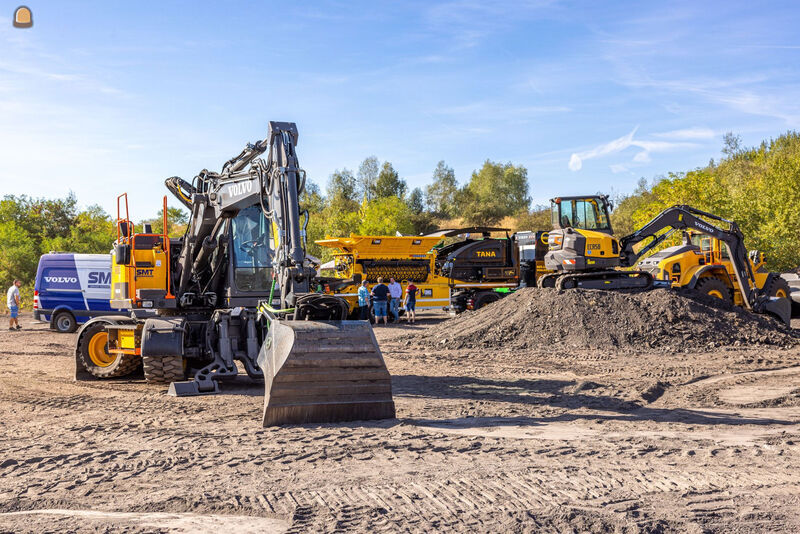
(778,288)
(714,287)
(163,369)
(94,355)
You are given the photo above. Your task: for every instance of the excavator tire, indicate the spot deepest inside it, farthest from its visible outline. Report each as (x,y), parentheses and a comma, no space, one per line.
(323,372)
(93,354)
(163,369)
(713,287)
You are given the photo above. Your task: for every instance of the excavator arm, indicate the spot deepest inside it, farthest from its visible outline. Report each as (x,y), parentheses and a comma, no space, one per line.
(682,217)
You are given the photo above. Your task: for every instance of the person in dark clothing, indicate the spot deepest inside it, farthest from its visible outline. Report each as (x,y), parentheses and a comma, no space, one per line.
(380,301)
(410,303)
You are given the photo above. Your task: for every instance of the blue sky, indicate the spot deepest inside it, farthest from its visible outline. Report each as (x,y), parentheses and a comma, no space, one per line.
(106,97)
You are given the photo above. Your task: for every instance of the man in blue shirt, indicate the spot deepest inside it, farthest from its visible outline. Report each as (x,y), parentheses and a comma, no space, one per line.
(395,293)
(380,301)
(363,301)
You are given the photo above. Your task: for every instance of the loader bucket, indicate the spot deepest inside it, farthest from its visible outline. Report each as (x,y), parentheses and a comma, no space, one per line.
(323,372)
(780,308)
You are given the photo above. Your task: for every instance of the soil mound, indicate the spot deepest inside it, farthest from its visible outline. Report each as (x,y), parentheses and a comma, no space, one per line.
(661,319)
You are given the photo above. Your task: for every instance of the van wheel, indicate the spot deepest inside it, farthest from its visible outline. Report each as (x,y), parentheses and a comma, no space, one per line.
(94,355)
(65,322)
(164,369)
(714,287)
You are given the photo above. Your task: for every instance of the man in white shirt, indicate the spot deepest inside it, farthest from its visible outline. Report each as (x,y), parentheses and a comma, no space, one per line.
(396,293)
(12,300)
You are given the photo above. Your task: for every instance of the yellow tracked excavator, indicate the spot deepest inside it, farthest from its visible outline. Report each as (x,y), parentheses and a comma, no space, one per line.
(237,287)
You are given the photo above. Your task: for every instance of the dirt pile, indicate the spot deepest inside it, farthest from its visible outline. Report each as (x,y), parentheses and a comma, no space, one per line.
(659,319)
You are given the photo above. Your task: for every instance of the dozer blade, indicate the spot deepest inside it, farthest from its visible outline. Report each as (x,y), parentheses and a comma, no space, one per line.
(323,372)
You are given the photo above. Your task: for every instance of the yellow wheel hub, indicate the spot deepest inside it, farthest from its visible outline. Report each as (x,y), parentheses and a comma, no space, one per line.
(781,294)
(715,293)
(98,352)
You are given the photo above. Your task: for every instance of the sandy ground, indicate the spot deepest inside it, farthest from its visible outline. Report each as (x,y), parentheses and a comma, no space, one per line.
(484,442)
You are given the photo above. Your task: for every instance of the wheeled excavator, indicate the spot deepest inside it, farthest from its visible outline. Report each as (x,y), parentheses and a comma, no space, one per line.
(583,253)
(237,287)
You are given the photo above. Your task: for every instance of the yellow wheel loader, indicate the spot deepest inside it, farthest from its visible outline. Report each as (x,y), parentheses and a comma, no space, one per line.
(702,262)
(237,288)
(583,253)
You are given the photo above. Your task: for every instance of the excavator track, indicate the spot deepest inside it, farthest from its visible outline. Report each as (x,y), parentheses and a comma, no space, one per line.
(611,279)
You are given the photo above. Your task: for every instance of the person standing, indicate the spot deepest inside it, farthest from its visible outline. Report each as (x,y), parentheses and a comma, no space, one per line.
(380,301)
(396,294)
(363,301)
(410,303)
(12,300)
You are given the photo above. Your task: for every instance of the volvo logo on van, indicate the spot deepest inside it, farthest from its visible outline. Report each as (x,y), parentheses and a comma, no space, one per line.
(61,279)
(240,188)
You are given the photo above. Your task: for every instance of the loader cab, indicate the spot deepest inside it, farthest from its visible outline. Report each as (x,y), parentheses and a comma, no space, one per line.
(250,258)
(581,213)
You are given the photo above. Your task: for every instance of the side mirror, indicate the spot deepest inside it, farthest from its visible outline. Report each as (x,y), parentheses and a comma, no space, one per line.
(122,254)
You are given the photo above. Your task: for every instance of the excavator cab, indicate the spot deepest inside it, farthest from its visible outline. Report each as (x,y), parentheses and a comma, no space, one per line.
(581,242)
(581,213)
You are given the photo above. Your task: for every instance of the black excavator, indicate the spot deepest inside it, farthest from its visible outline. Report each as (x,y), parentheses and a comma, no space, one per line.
(583,253)
(238,286)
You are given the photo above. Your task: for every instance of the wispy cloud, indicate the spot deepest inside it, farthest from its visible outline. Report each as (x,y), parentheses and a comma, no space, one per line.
(626,141)
(491,111)
(469,22)
(687,133)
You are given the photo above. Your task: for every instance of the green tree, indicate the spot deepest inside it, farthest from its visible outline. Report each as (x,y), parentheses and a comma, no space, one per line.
(30,227)
(389,183)
(440,196)
(386,216)
(342,188)
(368,177)
(416,201)
(759,188)
(496,191)
(622,218)
(536,219)
(177,218)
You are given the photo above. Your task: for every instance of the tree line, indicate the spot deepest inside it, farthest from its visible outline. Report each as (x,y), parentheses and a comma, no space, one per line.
(757,187)
(376,200)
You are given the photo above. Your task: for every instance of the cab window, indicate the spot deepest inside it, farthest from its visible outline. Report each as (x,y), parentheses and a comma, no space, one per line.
(586,214)
(252,254)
